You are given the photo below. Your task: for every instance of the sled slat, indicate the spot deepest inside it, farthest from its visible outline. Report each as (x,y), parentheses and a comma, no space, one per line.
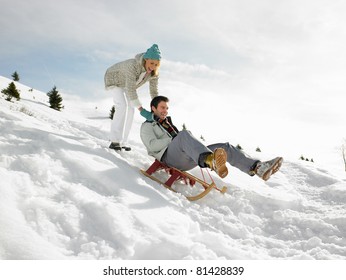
(176,175)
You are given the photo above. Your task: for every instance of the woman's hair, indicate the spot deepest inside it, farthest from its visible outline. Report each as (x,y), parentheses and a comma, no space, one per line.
(157,99)
(154,73)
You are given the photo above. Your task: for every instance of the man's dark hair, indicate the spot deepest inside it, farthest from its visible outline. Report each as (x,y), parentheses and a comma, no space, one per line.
(156,100)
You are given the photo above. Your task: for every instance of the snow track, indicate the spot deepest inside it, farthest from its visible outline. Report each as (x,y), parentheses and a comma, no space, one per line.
(64,194)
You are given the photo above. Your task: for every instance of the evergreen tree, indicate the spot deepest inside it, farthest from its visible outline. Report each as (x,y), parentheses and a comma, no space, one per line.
(15,76)
(55,99)
(258,149)
(11,92)
(111,114)
(184,126)
(239,147)
(202,138)
(302,158)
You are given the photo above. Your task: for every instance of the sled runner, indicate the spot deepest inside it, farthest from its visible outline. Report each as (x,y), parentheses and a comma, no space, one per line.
(176,175)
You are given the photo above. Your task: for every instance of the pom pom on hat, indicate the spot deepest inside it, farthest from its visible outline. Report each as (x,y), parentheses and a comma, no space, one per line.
(153,53)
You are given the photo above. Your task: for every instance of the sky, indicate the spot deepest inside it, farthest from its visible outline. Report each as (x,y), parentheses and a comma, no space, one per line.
(71,43)
(273,55)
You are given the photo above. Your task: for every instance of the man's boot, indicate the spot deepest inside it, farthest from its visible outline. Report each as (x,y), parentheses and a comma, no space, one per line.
(217,161)
(267,168)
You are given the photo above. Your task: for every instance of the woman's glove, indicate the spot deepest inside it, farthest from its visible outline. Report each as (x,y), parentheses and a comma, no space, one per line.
(146,114)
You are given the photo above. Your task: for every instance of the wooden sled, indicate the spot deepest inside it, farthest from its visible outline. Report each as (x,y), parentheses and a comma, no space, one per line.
(178,175)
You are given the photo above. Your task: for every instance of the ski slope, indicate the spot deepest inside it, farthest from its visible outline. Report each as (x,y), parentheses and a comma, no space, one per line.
(65,195)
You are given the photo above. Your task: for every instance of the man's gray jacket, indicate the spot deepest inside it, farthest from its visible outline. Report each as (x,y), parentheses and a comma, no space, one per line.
(155,138)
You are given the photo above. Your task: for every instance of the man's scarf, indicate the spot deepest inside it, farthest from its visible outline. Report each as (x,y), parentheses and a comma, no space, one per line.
(167,126)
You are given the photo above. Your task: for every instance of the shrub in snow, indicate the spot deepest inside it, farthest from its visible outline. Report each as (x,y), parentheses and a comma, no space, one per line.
(26,111)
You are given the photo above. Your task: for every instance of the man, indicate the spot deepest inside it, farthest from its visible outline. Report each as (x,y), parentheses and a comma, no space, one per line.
(183,151)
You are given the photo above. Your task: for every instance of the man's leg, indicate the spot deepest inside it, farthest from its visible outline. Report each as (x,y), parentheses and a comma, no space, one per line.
(184,151)
(236,158)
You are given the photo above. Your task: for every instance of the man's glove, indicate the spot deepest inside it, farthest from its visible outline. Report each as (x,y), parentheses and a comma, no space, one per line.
(146,114)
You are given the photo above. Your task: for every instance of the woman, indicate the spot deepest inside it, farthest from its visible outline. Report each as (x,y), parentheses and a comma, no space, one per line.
(123,79)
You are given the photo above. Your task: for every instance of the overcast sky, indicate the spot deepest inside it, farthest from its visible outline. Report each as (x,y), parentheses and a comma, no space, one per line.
(289,54)
(71,43)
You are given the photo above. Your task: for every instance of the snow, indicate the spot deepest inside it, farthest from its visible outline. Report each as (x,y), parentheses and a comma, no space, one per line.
(65,195)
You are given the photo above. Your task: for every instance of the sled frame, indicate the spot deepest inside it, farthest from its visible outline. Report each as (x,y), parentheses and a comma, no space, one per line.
(176,175)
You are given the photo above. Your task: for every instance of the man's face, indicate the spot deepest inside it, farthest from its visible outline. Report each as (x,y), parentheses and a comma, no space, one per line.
(162,110)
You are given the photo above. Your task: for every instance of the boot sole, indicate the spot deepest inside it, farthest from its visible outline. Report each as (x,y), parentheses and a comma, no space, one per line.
(220,159)
(116,148)
(275,168)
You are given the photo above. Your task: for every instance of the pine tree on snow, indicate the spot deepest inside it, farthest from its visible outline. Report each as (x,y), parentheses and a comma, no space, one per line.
(111,113)
(15,76)
(55,99)
(11,92)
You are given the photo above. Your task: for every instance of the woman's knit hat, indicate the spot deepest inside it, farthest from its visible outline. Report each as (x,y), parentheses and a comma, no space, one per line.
(153,53)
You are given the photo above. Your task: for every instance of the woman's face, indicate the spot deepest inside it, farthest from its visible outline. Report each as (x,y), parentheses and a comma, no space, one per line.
(151,64)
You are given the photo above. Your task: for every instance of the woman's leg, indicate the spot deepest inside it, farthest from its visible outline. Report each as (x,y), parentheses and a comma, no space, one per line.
(119,117)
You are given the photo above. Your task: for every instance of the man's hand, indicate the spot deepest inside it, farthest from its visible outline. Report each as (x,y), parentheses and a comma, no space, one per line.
(146,114)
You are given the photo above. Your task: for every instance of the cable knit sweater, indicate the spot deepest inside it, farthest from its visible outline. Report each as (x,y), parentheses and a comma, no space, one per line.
(130,75)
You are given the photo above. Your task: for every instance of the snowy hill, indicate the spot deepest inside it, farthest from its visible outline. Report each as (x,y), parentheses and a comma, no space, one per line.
(65,195)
